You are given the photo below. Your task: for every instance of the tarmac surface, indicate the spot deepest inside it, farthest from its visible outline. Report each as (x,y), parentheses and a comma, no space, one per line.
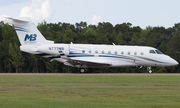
(105,74)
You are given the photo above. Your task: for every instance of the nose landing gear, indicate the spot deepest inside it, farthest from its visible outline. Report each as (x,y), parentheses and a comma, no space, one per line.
(149,69)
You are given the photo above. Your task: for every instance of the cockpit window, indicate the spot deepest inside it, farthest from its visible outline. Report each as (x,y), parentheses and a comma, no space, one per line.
(158,52)
(152,51)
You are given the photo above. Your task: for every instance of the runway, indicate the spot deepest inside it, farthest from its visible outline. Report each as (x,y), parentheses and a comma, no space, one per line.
(103,74)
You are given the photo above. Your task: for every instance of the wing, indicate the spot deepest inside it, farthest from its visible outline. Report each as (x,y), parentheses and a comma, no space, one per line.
(88,63)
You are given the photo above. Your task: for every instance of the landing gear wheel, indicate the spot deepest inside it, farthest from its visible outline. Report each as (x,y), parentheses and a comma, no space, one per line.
(150,71)
(82,70)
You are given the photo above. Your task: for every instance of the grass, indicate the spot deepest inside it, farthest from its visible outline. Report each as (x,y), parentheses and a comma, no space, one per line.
(31,91)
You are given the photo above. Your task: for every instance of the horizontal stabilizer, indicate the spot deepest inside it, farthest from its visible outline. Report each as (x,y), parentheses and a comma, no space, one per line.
(17,20)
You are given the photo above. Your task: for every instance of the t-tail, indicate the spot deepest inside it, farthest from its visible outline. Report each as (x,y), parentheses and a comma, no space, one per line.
(27,32)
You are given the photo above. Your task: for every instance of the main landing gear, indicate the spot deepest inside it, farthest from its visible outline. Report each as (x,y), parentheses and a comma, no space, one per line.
(82,70)
(149,69)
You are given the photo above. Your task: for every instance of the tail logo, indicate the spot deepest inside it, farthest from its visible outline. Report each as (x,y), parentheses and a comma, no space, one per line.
(30,38)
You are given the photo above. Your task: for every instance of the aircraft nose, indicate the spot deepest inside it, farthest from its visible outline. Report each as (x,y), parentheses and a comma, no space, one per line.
(174,62)
(170,61)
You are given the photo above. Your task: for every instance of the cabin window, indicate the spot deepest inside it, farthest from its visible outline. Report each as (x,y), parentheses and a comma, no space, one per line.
(96,51)
(142,53)
(83,51)
(89,51)
(129,53)
(135,53)
(152,52)
(122,52)
(102,52)
(158,52)
(109,52)
(115,52)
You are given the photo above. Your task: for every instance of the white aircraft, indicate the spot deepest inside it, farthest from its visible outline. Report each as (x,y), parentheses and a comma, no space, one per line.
(87,55)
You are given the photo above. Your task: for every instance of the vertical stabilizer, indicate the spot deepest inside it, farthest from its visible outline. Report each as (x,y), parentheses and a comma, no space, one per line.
(27,32)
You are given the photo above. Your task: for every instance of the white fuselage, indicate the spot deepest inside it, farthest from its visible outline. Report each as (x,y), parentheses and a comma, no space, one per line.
(115,55)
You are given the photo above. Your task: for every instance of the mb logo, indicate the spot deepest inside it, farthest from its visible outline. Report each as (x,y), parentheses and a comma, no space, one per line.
(31,37)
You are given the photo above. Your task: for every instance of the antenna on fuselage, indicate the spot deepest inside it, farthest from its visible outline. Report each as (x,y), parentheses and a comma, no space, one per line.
(113,44)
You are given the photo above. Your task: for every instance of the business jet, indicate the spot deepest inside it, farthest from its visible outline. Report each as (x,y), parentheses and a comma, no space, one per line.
(86,56)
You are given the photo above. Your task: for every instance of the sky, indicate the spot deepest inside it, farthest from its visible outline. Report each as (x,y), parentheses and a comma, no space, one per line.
(141,13)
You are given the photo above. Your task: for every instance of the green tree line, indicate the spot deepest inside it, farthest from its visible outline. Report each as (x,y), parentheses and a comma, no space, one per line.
(13,60)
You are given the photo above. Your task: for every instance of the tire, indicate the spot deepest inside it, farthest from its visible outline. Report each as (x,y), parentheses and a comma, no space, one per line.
(81,70)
